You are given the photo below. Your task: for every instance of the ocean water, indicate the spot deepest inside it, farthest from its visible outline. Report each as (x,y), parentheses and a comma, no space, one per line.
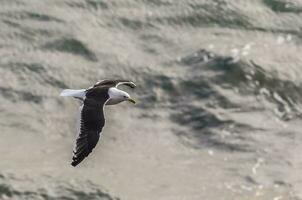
(219,99)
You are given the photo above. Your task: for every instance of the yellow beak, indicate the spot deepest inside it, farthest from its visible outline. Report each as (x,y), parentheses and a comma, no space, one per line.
(132,101)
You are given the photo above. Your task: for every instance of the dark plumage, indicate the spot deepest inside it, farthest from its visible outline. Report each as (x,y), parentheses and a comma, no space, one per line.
(115,83)
(92,121)
(92,118)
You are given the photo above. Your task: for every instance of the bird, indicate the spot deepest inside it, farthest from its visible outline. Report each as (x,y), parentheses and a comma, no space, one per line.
(91,119)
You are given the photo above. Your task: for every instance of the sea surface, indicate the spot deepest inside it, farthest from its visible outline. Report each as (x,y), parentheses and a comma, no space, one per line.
(219,93)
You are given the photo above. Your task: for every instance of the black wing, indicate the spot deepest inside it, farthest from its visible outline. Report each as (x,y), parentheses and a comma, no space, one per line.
(92,121)
(115,83)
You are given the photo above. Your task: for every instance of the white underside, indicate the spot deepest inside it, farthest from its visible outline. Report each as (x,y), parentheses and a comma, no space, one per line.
(113,101)
(115,95)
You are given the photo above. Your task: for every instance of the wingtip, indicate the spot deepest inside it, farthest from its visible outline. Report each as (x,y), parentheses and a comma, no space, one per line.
(74,163)
(133,85)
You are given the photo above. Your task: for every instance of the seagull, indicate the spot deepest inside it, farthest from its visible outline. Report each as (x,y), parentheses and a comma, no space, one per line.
(92,118)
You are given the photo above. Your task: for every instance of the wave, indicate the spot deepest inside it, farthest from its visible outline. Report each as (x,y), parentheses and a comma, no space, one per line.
(50,189)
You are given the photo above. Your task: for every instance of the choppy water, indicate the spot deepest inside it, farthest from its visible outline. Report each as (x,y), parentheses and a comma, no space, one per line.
(219,91)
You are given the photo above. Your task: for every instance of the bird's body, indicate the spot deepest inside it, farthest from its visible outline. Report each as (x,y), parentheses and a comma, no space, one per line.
(92,118)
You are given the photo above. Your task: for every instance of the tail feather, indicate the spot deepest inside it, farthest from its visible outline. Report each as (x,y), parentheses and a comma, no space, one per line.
(73,93)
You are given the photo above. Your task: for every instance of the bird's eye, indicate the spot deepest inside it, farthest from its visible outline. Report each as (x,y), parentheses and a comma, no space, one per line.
(125,97)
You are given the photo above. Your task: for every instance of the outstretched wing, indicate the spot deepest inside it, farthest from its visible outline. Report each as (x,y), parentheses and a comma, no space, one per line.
(115,83)
(92,121)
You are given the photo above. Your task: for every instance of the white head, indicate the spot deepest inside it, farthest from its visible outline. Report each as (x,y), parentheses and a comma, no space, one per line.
(116,96)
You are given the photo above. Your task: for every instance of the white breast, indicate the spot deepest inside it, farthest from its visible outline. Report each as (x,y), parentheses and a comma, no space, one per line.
(113,101)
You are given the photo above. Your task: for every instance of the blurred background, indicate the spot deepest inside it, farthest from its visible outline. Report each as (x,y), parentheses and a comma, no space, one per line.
(219,92)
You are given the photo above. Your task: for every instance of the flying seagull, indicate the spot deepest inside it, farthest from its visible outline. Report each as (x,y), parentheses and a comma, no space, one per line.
(92,118)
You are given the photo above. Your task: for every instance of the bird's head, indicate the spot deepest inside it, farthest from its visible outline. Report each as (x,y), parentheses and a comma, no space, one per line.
(119,95)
